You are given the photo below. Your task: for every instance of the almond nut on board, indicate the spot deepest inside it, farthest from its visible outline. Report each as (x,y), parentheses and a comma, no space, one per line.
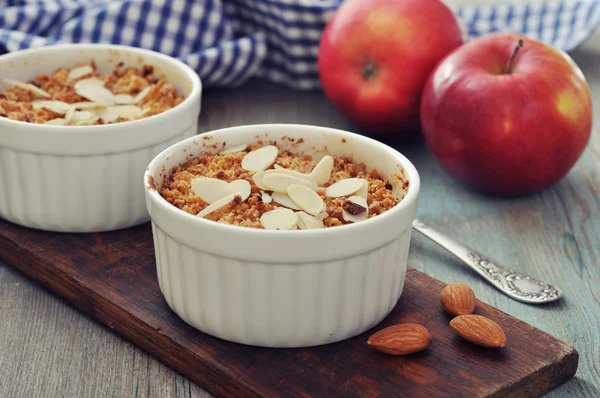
(479,330)
(458,299)
(401,339)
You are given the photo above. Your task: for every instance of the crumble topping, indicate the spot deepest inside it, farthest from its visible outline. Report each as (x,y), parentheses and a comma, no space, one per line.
(266,187)
(82,96)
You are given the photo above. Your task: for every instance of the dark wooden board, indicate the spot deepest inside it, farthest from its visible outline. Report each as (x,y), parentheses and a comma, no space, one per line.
(112,277)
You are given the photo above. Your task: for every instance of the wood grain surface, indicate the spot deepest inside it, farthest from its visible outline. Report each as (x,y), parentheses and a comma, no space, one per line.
(112,277)
(49,349)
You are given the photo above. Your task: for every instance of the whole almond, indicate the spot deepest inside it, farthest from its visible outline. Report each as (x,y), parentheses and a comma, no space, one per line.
(479,330)
(458,299)
(401,339)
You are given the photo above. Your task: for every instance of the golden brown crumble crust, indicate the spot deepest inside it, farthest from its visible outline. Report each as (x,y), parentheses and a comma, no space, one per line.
(15,102)
(177,188)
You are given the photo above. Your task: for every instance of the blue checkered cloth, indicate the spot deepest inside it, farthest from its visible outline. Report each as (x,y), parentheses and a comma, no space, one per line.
(229,41)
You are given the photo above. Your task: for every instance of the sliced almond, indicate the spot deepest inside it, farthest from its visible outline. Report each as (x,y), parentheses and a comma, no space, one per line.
(280,218)
(107,114)
(93,81)
(82,118)
(285,201)
(258,177)
(209,189)
(28,87)
(142,94)
(234,149)
(307,199)
(114,113)
(38,91)
(360,216)
(56,122)
(265,197)
(92,90)
(260,159)
(276,166)
(59,107)
(87,105)
(279,182)
(212,190)
(79,72)
(123,99)
(344,187)
(242,187)
(82,115)
(86,122)
(306,221)
(363,192)
(217,205)
(322,171)
(297,174)
(69,115)
(38,104)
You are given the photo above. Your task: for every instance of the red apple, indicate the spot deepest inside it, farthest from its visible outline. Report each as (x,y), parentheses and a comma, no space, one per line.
(375,57)
(507,115)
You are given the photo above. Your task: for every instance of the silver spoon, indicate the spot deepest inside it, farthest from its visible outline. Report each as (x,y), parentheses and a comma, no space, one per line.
(510,282)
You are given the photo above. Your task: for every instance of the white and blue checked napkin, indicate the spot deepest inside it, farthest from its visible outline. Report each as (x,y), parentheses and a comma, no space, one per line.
(229,41)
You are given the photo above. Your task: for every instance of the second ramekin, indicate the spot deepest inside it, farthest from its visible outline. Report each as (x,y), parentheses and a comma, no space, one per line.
(282,288)
(86,178)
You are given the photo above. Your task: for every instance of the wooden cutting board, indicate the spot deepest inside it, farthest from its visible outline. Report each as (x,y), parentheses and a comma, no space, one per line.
(111,277)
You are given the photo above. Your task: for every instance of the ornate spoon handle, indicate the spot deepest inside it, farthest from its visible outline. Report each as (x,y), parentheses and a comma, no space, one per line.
(512,283)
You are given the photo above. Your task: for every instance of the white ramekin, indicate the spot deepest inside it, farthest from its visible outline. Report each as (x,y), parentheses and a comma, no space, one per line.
(282,288)
(86,178)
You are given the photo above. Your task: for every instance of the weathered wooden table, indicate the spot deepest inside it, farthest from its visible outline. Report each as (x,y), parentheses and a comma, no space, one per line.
(48,349)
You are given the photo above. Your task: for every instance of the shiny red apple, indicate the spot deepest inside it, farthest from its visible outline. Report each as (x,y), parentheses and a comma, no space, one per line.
(375,57)
(507,115)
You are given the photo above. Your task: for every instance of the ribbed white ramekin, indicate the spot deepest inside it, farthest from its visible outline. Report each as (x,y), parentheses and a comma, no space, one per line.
(282,288)
(86,178)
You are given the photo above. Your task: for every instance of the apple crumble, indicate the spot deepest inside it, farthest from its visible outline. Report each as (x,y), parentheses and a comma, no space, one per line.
(266,187)
(83,96)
